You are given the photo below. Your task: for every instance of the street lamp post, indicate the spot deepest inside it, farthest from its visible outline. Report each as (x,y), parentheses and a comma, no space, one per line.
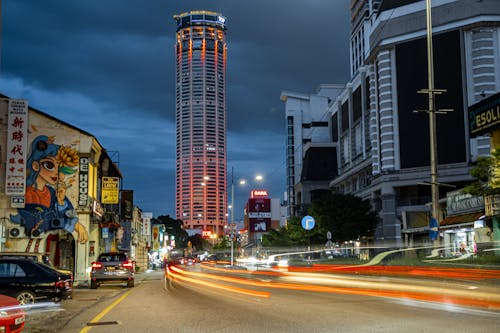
(232,228)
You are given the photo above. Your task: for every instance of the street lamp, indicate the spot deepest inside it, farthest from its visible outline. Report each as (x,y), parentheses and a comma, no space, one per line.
(258,177)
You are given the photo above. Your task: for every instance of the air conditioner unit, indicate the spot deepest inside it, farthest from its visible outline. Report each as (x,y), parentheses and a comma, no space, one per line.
(57,223)
(36,234)
(16,232)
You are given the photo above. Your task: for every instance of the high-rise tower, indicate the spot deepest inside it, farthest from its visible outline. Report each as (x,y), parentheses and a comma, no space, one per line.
(201,120)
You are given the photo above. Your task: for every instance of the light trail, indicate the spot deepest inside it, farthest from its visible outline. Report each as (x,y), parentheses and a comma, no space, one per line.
(336,285)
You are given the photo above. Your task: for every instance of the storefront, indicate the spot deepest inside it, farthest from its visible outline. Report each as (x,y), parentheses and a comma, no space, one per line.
(457,229)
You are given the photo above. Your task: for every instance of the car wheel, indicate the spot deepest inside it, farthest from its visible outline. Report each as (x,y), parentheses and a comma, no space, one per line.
(130,283)
(26,297)
(93,284)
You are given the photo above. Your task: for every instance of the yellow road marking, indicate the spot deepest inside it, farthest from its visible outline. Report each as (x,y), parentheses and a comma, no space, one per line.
(105,311)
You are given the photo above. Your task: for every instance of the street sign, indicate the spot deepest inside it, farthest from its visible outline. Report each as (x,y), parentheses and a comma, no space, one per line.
(433,229)
(308,222)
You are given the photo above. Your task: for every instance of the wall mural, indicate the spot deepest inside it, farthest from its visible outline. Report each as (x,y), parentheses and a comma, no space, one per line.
(51,171)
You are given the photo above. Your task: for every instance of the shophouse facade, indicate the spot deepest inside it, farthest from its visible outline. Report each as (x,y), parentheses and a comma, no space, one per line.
(51,193)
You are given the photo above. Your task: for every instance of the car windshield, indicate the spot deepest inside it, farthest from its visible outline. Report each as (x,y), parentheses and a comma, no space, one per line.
(257,166)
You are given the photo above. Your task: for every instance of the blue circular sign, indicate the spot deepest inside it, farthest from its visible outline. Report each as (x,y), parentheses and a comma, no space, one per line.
(308,222)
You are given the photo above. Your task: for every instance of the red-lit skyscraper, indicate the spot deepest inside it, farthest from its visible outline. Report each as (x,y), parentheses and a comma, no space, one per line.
(201,120)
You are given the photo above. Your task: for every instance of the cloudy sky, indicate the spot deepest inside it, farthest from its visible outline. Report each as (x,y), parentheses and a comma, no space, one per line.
(107,67)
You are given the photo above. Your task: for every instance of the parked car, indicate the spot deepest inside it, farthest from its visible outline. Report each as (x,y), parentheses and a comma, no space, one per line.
(29,281)
(35,256)
(12,317)
(112,267)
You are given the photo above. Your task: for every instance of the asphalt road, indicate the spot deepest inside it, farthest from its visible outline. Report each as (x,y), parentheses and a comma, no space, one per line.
(190,307)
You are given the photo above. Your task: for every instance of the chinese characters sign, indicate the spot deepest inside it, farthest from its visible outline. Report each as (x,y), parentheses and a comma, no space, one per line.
(17,131)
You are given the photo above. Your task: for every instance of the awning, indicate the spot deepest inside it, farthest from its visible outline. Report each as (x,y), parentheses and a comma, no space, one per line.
(451,221)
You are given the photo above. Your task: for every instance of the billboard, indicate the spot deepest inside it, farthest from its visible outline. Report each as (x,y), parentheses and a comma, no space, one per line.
(484,116)
(259,225)
(127,205)
(110,190)
(259,214)
(259,208)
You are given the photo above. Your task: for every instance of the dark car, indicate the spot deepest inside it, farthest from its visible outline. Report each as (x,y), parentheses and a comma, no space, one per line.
(29,281)
(112,267)
(35,256)
(12,317)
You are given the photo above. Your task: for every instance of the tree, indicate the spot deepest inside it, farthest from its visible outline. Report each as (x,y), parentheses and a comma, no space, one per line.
(487,174)
(197,242)
(174,228)
(293,235)
(346,216)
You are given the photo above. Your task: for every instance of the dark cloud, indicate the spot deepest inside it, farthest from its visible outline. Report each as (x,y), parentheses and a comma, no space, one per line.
(116,60)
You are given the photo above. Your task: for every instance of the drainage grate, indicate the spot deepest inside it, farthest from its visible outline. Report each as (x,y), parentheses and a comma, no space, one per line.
(103,323)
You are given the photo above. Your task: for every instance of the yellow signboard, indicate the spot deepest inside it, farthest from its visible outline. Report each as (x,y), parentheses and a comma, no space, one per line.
(110,190)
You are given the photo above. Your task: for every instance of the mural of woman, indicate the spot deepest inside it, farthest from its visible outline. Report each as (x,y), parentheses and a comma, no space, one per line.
(48,164)
(65,210)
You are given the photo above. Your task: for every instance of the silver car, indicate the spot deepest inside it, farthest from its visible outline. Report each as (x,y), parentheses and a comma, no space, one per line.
(112,267)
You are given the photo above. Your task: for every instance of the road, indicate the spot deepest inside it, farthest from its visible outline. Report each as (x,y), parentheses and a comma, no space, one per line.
(192,307)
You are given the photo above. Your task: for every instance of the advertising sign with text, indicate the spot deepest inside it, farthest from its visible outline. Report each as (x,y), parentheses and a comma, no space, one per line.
(17,144)
(110,190)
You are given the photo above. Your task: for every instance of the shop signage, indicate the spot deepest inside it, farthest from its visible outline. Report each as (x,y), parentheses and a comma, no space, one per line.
(17,134)
(97,210)
(259,194)
(127,204)
(491,205)
(146,223)
(110,190)
(156,237)
(458,202)
(484,116)
(259,225)
(17,202)
(83,182)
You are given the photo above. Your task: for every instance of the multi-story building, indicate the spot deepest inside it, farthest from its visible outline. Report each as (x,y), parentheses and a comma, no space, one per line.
(201,120)
(384,151)
(381,143)
(308,133)
(51,193)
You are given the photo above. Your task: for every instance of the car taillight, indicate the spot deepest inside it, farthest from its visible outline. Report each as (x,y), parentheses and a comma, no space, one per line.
(60,284)
(128,264)
(96,265)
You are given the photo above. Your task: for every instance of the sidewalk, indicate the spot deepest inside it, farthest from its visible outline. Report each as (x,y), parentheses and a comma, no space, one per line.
(54,316)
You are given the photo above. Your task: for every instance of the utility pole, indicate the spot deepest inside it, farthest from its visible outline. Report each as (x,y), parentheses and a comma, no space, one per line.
(431,92)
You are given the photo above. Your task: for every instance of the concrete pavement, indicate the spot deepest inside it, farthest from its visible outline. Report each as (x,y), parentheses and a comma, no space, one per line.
(53,317)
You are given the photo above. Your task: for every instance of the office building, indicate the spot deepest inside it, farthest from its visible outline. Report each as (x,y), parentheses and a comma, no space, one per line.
(201,53)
